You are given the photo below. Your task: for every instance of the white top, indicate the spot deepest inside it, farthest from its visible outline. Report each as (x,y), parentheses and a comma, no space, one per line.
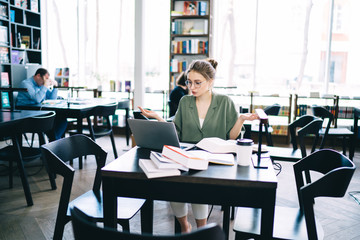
(201,120)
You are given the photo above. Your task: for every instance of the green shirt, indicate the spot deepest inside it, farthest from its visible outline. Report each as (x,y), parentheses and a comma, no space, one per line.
(218,122)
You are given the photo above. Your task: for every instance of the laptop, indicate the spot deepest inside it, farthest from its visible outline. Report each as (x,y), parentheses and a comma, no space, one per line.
(155,134)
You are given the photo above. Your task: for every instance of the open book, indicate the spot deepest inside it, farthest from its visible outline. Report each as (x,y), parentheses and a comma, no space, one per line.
(151,171)
(184,158)
(217,145)
(217,158)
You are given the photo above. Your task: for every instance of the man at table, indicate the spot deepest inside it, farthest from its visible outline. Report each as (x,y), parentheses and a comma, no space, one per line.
(39,88)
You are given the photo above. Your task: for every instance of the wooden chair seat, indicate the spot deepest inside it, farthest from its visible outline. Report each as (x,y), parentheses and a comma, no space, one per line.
(284,154)
(345,133)
(340,132)
(90,204)
(309,125)
(289,223)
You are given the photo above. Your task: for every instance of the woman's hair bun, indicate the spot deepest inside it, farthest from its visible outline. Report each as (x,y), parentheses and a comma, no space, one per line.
(213,62)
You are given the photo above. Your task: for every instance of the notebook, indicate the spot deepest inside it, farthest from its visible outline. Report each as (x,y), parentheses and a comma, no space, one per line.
(154,134)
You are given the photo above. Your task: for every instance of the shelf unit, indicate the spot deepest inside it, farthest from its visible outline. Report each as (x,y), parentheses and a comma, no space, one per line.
(345,110)
(20,39)
(280,122)
(189,27)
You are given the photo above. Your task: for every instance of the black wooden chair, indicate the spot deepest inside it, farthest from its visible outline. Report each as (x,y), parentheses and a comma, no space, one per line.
(272,110)
(334,174)
(356,133)
(96,131)
(309,125)
(85,229)
(57,154)
(36,125)
(328,132)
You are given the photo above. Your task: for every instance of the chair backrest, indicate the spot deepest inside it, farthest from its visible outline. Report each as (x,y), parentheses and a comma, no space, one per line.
(37,124)
(323,113)
(104,110)
(311,128)
(59,152)
(298,123)
(273,109)
(85,229)
(337,172)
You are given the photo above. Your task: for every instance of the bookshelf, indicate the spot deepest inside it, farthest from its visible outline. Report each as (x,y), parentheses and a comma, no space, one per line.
(20,35)
(190,33)
(280,122)
(303,105)
(345,110)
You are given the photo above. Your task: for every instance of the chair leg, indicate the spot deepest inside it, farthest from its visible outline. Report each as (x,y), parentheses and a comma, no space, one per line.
(113,144)
(11,173)
(60,226)
(125,223)
(177,226)
(232,216)
(344,145)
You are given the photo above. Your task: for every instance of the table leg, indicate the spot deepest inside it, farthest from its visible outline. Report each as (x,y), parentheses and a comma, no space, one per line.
(226,221)
(109,204)
(267,217)
(22,172)
(79,131)
(127,130)
(147,214)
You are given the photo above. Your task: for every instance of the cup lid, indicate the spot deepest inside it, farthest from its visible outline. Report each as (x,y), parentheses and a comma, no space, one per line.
(245,142)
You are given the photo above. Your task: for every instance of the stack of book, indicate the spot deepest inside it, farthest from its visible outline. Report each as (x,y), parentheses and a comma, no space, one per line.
(160,166)
(173,159)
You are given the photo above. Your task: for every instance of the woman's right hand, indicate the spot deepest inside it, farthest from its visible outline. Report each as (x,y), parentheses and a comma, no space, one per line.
(150,114)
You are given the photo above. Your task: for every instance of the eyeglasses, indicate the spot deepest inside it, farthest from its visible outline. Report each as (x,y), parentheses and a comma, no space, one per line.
(196,84)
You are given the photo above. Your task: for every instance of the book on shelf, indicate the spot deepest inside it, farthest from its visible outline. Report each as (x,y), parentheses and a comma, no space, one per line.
(25,40)
(217,145)
(151,171)
(5,79)
(4,55)
(37,44)
(62,76)
(18,57)
(5,100)
(202,8)
(34,5)
(187,27)
(127,86)
(216,158)
(4,35)
(190,8)
(176,13)
(184,158)
(162,162)
(3,11)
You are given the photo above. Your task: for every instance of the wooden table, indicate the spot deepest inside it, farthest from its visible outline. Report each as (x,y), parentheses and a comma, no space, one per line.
(73,109)
(8,122)
(219,185)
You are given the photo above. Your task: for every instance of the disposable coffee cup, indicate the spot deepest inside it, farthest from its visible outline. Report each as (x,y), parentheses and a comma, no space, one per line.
(244,151)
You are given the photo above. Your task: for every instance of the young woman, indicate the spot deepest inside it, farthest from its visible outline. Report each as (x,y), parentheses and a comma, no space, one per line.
(202,114)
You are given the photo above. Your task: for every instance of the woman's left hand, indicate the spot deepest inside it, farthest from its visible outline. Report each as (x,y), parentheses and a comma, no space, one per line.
(249,116)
